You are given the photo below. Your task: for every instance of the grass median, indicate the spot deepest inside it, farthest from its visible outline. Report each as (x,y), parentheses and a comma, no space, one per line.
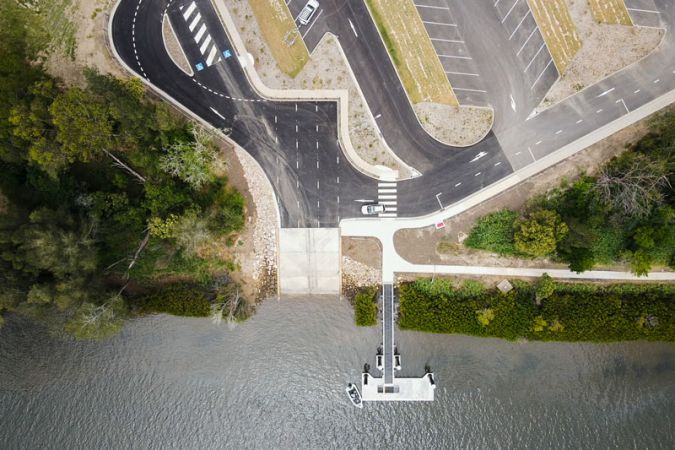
(558,29)
(410,47)
(610,11)
(281,35)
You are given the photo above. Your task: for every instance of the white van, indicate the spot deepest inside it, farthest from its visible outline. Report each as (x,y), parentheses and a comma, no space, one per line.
(308,12)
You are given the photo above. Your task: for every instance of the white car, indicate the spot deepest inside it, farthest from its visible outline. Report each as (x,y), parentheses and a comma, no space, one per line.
(372,209)
(308,12)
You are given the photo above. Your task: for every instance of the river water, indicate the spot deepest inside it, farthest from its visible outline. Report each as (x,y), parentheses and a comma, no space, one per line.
(277,381)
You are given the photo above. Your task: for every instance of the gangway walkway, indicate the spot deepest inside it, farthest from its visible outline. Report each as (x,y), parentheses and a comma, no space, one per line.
(388,332)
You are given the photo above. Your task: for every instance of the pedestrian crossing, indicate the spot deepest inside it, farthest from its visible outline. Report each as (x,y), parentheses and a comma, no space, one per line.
(386,195)
(207,46)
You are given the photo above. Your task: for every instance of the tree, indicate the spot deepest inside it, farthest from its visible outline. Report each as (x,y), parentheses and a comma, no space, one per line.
(485,316)
(82,125)
(543,288)
(633,183)
(92,321)
(191,162)
(539,233)
(640,263)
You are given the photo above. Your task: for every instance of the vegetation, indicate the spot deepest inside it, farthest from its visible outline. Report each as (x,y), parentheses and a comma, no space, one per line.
(568,312)
(281,35)
(625,214)
(101,188)
(365,308)
(412,52)
(556,25)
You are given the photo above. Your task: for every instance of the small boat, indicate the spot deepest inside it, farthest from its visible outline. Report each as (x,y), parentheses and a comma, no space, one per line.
(354,395)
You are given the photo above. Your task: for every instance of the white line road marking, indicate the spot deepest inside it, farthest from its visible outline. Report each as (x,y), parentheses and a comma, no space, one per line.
(338,180)
(454,56)
(558,132)
(455,41)
(217,113)
(317,128)
(478,156)
(644,10)
(656,81)
(526,41)
(458,184)
(386,197)
(518,153)
(296,127)
(317,145)
(531,154)
(195,21)
(385,184)
(513,102)
(507,14)
(520,23)
(392,209)
(463,73)
(599,111)
(624,104)
(538,142)
(353,29)
(440,23)
(386,191)
(296,107)
(317,164)
(477,174)
(206,43)
(636,91)
(275,119)
(433,7)
(387,215)
(497,163)
(580,120)
(378,116)
(388,202)
(468,90)
(212,55)
(535,56)
(542,72)
(312,24)
(605,93)
(188,12)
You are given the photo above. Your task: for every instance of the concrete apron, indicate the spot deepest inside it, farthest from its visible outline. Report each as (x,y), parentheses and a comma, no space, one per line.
(309,261)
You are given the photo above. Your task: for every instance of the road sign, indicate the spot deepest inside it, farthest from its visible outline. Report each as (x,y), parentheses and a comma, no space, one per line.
(227,53)
(199,66)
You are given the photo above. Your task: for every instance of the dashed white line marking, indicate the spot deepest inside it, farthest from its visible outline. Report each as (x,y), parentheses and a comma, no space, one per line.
(478,174)
(353,28)
(636,91)
(656,81)
(518,153)
(531,154)
(497,163)
(579,121)
(599,111)
(538,142)
(458,184)
(378,116)
(558,132)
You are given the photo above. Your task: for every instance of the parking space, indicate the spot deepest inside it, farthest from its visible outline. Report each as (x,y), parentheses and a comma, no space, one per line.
(644,13)
(313,31)
(527,42)
(452,51)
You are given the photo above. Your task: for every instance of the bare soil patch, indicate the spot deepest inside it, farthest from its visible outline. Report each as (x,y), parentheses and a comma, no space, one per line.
(455,125)
(606,48)
(431,246)
(361,264)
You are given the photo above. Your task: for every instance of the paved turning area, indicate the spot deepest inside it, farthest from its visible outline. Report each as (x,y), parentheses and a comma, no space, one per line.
(309,261)
(388,387)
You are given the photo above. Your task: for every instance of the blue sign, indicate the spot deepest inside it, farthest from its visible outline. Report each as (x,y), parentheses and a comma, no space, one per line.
(227,54)
(199,66)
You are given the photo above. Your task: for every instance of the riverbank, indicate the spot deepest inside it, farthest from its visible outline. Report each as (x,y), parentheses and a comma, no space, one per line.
(544,310)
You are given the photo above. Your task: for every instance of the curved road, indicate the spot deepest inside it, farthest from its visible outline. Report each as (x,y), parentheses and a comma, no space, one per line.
(296,142)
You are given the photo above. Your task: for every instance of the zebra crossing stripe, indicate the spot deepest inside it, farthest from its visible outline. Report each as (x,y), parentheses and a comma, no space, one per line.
(388,202)
(188,12)
(206,43)
(387,215)
(195,21)
(386,191)
(386,197)
(212,55)
(386,184)
(200,33)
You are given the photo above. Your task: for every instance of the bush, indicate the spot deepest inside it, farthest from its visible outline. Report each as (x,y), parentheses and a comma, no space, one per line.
(494,233)
(177,299)
(365,308)
(572,312)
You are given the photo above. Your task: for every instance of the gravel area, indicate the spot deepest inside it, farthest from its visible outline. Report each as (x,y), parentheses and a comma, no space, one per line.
(326,69)
(173,48)
(452,125)
(605,49)
(261,263)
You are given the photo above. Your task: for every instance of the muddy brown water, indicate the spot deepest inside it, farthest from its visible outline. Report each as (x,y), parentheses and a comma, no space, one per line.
(277,381)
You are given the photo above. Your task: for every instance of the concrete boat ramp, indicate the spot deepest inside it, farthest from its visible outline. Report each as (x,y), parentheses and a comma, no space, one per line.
(388,387)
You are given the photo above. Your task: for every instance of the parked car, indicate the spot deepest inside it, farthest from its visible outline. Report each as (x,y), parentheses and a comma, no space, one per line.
(308,12)
(372,209)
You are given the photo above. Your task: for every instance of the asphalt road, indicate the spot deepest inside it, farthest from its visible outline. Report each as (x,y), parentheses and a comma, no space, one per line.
(296,143)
